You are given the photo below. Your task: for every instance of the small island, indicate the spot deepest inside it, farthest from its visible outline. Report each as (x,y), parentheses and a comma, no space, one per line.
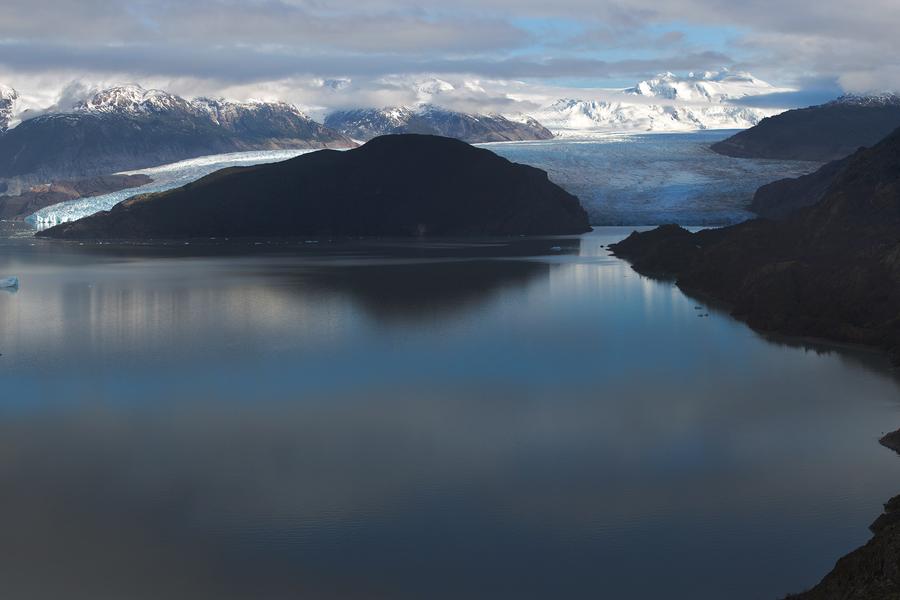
(393,186)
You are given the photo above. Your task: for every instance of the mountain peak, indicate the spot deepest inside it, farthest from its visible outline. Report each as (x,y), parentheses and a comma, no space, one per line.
(8,93)
(8,97)
(709,86)
(130,98)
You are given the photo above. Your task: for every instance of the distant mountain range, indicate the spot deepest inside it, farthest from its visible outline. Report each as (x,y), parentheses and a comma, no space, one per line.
(367,123)
(129,127)
(665,103)
(819,133)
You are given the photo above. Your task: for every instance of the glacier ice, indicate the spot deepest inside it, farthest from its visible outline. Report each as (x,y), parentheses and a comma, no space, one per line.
(653,178)
(164,177)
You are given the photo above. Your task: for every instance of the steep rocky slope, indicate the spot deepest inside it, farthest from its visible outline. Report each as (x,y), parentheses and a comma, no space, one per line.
(819,133)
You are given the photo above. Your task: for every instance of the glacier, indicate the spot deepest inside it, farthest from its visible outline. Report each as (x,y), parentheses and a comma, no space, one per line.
(653,178)
(164,177)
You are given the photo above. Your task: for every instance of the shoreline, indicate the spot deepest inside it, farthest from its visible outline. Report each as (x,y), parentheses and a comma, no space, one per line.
(871,571)
(771,335)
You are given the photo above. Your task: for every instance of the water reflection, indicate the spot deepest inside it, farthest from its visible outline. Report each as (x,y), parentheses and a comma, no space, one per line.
(414,421)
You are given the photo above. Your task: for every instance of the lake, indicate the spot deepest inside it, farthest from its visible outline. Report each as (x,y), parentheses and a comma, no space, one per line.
(510,418)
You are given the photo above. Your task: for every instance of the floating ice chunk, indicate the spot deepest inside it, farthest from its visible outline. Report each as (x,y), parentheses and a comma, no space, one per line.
(9,283)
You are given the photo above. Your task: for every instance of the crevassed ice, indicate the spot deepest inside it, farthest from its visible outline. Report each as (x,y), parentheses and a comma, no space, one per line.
(164,177)
(651,179)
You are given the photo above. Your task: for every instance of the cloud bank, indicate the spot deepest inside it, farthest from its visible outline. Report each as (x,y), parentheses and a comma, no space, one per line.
(262,48)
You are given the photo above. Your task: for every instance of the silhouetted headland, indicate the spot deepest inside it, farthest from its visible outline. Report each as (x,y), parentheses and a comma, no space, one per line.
(398,185)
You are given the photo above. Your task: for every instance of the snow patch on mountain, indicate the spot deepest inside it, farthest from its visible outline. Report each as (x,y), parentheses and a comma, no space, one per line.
(879,99)
(131,99)
(8,98)
(135,100)
(366,123)
(434,86)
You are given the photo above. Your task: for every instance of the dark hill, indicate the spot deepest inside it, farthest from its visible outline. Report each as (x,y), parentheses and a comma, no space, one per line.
(818,133)
(779,199)
(403,185)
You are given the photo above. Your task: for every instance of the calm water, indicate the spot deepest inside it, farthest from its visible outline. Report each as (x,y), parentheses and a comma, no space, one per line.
(478,420)
(654,178)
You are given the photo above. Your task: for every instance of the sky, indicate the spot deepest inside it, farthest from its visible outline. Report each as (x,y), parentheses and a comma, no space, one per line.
(320,53)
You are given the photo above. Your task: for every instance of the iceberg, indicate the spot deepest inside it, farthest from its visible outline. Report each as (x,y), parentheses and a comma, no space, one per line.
(9,283)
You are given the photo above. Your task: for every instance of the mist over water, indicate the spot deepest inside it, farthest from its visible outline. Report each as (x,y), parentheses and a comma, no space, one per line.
(478,419)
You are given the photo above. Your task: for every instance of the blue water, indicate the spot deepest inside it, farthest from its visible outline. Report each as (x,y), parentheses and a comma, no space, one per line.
(487,419)
(654,178)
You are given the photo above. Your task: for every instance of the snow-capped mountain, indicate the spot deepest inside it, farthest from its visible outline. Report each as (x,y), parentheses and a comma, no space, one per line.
(420,90)
(882,99)
(574,118)
(710,86)
(433,87)
(135,101)
(664,103)
(8,98)
(131,100)
(128,127)
(364,124)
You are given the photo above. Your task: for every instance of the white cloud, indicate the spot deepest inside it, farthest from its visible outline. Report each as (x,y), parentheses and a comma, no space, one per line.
(269,48)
